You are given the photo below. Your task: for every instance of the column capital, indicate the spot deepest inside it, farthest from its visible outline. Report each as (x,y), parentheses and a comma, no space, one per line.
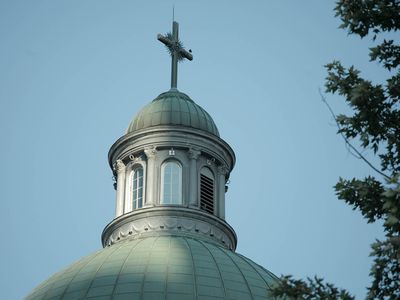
(222,170)
(194,153)
(119,166)
(150,152)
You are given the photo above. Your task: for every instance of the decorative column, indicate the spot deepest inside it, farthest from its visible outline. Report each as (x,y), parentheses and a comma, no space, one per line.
(120,168)
(222,171)
(193,177)
(151,176)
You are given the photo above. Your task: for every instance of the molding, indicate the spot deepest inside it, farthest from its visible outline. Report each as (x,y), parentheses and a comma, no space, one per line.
(135,159)
(170,220)
(119,166)
(150,152)
(172,136)
(222,170)
(194,153)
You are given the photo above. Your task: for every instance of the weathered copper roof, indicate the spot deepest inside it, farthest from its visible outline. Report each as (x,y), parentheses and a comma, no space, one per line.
(173,108)
(160,267)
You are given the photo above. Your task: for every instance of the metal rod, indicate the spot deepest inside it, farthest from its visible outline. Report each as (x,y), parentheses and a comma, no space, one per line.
(174,67)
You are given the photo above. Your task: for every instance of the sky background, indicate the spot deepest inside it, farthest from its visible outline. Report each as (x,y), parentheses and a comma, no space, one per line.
(74,73)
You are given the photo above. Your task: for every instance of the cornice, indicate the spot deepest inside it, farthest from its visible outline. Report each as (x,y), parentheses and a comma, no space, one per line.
(198,139)
(169,220)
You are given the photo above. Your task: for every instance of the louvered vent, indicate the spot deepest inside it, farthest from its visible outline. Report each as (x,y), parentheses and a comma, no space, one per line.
(206,194)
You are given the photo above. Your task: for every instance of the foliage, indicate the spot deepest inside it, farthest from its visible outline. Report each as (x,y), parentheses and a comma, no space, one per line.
(375,122)
(311,289)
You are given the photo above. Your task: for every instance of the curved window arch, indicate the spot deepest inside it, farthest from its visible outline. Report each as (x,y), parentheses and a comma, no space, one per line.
(207,190)
(137,188)
(171,183)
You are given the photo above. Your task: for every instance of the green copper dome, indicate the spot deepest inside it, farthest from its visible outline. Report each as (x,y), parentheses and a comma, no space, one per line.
(162,267)
(173,108)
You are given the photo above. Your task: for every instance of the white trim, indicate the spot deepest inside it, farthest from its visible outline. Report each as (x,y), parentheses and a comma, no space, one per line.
(138,187)
(129,185)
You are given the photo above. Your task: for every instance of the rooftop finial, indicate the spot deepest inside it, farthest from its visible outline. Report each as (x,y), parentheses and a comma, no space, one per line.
(176,50)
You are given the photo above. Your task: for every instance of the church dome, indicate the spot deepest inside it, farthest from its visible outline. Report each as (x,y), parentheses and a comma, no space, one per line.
(160,267)
(169,238)
(173,108)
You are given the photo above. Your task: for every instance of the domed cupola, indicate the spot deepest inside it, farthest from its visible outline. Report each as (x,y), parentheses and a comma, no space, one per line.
(173,108)
(171,169)
(169,238)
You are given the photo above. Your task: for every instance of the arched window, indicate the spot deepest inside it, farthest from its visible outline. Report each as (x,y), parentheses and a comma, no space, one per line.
(207,190)
(137,188)
(171,183)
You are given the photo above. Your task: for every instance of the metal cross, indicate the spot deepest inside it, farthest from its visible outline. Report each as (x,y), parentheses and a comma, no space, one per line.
(175,48)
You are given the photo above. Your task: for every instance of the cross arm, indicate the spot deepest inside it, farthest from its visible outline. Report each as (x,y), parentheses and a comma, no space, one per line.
(186,54)
(166,41)
(170,44)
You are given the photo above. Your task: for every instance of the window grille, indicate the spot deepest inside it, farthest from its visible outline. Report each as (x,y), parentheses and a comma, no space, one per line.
(207,191)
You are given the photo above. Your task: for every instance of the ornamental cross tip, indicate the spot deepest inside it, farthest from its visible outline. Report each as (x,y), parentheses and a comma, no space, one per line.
(176,50)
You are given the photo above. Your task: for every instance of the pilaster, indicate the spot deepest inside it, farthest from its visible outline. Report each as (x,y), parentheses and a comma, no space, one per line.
(222,171)
(193,177)
(151,181)
(120,169)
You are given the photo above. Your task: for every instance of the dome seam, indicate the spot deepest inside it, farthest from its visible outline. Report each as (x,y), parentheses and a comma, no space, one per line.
(76,274)
(141,120)
(237,267)
(189,114)
(93,278)
(219,270)
(167,268)
(251,265)
(147,266)
(66,288)
(194,268)
(123,265)
(200,119)
(208,126)
(166,109)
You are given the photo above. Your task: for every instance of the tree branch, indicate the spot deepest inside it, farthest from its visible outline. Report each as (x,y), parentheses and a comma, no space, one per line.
(359,155)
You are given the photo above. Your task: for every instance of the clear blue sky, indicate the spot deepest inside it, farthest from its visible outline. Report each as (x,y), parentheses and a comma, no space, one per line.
(74,73)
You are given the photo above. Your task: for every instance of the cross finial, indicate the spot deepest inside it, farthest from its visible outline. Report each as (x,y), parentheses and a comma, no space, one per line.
(175,48)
